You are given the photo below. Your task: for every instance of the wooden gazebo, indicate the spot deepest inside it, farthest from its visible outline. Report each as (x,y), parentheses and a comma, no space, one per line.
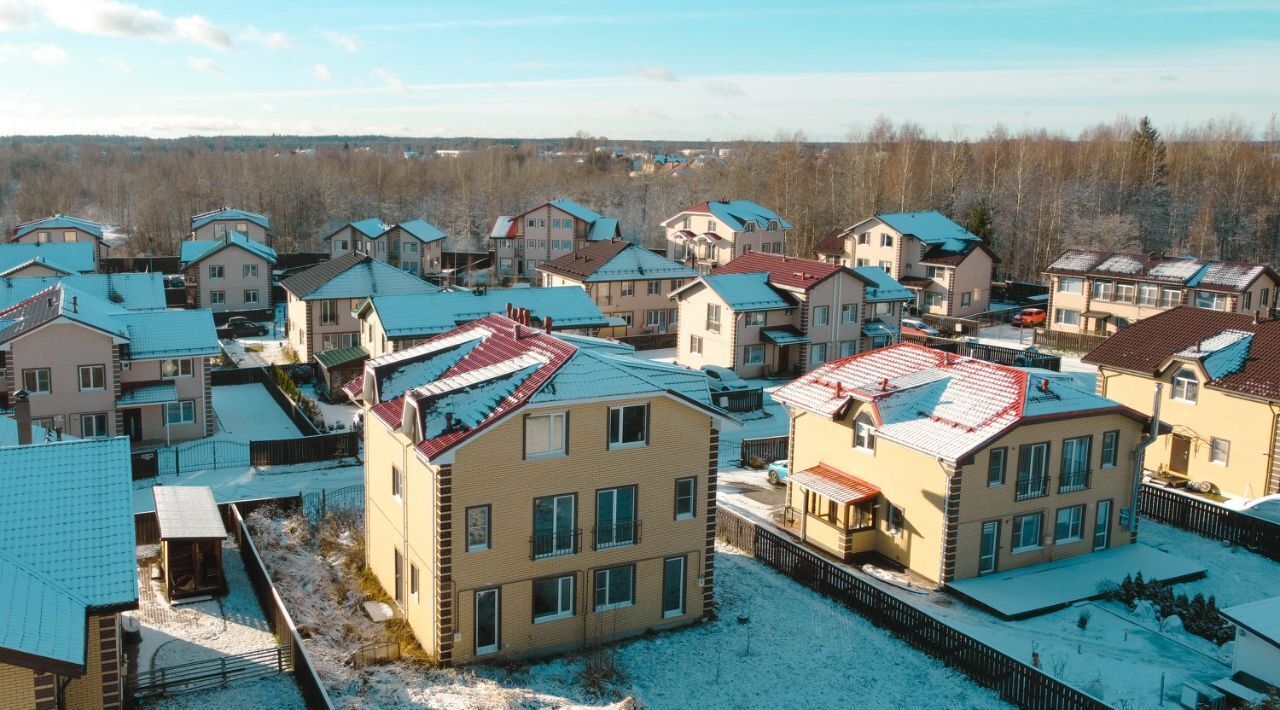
(191,535)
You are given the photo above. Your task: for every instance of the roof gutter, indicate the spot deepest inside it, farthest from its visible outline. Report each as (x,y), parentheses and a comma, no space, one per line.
(1139,457)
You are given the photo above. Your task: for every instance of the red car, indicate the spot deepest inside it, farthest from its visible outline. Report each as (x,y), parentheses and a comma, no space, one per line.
(1029,317)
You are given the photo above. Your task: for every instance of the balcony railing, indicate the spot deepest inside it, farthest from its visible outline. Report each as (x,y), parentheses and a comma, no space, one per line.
(1072,481)
(1031,487)
(555,543)
(617,535)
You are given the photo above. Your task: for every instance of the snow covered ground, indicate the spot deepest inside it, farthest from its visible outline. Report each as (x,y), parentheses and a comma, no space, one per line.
(248,413)
(248,482)
(272,351)
(332,413)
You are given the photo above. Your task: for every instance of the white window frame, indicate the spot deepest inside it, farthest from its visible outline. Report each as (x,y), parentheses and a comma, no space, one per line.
(849,313)
(99,370)
(653,288)
(564,586)
(179,364)
(397,484)
(864,433)
(609,602)
(37,380)
(1219,451)
(695,344)
(98,432)
(553,421)
(186,412)
(753,354)
(249,271)
(1066,316)
(821,315)
(217,271)
(1074,525)
(626,289)
(1019,533)
(691,495)
(218,297)
(487,543)
(713,317)
(1070,284)
(1148,295)
(1185,386)
(755,319)
(620,413)
(817,353)
(250,296)
(848,348)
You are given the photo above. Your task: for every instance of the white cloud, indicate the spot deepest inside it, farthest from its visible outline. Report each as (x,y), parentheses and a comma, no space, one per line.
(273,40)
(390,80)
(122,66)
(50,55)
(13,14)
(205,66)
(322,72)
(108,17)
(652,73)
(724,88)
(346,43)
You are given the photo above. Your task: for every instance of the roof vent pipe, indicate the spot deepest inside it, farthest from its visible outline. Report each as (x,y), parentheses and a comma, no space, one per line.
(1044,385)
(884,384)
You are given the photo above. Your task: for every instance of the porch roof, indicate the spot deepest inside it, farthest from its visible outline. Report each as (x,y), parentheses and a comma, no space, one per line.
(783,335)
(338,357)
(187,513)
(1096,314)
(834,484)
(878,328)
(157,393)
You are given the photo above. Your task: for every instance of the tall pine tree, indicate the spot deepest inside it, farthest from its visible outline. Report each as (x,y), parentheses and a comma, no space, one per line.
(1147,195)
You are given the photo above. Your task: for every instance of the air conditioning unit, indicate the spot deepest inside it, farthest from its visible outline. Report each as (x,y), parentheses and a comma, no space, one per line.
(1198,696)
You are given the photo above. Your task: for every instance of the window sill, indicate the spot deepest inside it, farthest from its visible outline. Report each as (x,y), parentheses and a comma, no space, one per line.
(611,607)
(1068,541)
(673,613)
(996,485)
(547,455)
(484,548)
(685,516)
(1020,550)
(632,445)
(553,617)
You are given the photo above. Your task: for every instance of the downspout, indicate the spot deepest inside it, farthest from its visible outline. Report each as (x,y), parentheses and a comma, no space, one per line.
(1139,456)
(1271,482)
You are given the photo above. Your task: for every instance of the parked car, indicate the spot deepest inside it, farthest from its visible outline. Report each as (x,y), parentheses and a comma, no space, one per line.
(175,282)
(239,327)
(722,379)
(915,326)
(1029,317)
(777,472)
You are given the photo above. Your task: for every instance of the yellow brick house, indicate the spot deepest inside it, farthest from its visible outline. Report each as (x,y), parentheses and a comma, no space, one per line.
(530,492)
(953,467)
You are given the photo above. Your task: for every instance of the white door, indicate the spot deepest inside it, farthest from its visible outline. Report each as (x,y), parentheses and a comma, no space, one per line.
(488,619)
(987,555)
(1102,526)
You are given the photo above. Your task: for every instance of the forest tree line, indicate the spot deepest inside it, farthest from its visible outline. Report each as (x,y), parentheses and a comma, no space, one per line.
(1211,190)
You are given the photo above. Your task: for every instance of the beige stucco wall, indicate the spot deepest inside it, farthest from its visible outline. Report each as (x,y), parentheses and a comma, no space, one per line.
(188,388)
(209,232)
(66,235)
(63,347)
(1248,424)
(308,342)
(372,336)
(233,284)
(355,241)
(726,348)
(32,270)
(402,250)
(732,244)
(972,276)
(608,297)
(1258,296)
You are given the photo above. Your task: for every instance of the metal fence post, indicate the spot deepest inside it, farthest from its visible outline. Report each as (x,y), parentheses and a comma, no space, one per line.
(323,504)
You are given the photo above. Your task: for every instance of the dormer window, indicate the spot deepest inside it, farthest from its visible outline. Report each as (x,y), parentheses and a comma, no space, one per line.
(749,227)
(773,225)
(1186,386)
(864,437)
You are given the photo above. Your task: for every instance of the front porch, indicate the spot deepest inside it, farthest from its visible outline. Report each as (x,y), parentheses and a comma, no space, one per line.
(785,349)
(831,510)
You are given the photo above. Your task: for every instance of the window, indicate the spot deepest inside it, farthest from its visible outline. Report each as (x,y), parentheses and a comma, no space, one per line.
(627,288)
(1070,284)
(933,300)
(552,599)
(997,460)
(1026,532)
(615,587)
(175,368)
(653,288)
(533,222)
(864,238)
(250,296)
(1246,301)
(1170,297)
(413,581)
(554,525)
(1070,525)
(753,355)
(505,265)
(695,344)
(1148,295)
(1219,451)
(1110,448)
(817,353)
(864,436)
(896,520)
(676,283)
(1066,316)
(93,426)
(183,412)
(1186,387)
(935,272)
(1211,300)
(68,236)
(849,313)
(544,434)
(397,485)
(848,347)
(628,426)
(755,319)
(479,528)
(686,497)
(615,517)
(886,240)
(1102,290)
(861,262)
(250,271)
(887,266)
(1033,462)
(965,299)
(1124,292)
(1264,300)
(217,298)
(749,227)
(42,237)
(328,312)
(93,377)
(1074,475)
(341,244)
(821,315)
(216,271)
(673,585)
(713,317)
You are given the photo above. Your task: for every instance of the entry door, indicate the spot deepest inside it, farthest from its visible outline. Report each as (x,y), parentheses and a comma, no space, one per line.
(988,553)
(133,424)
(673,587)
(487,621)
(1180,454)
(1102,526)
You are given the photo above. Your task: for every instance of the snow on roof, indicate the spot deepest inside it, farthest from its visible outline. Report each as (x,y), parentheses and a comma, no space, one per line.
(833,484)
(1076,260)
(935,402)
(421,229)
(418,315)
(1232,276)
(187,513)
(229,214)
(1121,264)
(59,221)
(1222,354)
(67,257)
(503,227)
(1261,618)
(1179,270)
(747,292)
(194,252)
(135,292)
(736,213)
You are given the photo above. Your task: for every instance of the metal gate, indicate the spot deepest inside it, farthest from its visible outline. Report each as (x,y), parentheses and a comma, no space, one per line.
(317,504)
(211,673)
(203,455)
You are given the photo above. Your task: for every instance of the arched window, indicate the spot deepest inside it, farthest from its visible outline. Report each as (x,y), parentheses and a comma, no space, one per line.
(1186,386)
(864,436)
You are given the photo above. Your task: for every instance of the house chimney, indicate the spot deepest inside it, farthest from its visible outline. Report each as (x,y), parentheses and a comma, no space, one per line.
(1255,317)
(839,389)
(884,385)
(1044,385)
(75,304)
(22,412)
(547,322)
(508,310)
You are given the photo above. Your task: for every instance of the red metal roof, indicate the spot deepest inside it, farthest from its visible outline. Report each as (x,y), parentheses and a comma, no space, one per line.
(834,484)
(787,271)
(833,243)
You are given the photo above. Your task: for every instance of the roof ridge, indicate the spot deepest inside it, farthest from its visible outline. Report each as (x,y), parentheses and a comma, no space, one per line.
(56,584)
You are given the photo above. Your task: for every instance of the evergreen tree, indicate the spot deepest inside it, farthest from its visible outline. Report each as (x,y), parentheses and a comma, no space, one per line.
(980,221)
(1147,194)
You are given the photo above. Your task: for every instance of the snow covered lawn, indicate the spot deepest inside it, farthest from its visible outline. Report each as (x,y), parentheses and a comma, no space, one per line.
(332,414)
(775,644)
(248,413)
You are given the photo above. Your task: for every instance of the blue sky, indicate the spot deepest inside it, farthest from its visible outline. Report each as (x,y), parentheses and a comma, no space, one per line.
(666,70)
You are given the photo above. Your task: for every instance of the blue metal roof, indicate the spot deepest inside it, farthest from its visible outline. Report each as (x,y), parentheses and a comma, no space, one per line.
(418,315)
(59,221)
(883,287)
(370,277)
(878,329)
(1063,395)
(67,537)
(68,257)
(564,204)
(229,215)
(149,394)
(135,292)
(736,214)
(783,335)
(421,229)
(9,434)
(193,252)
(603,229)
(932,228)
(592,373)
(172,333)
(371,227)
(747,292)
(635,263)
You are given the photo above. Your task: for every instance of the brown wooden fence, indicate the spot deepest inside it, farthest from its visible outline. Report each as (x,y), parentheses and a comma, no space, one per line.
(952,327)
(322,447)
(1016,682)
(147,529)
(650,341)
(767,448)
(1210,520)
(1072,342)
(304,671)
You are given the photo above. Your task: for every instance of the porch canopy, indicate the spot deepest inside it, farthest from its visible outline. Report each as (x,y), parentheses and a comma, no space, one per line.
(155,393)
(187,513)
(1099,315)
(337,357)
(783,335)
(878,329)
(834,484)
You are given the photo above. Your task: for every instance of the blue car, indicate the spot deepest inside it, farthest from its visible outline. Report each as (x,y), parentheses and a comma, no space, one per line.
(777,472)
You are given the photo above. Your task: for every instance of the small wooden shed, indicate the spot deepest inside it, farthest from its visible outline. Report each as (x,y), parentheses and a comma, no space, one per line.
(191,535)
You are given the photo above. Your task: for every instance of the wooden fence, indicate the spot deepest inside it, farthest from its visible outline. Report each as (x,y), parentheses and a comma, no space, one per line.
(1210,520)
(147,529)
(1072,342)
(768,448)
(650,341)
(322,447)
(739,400)
(1016,682)
(304,672)
(989,353)
(953,326)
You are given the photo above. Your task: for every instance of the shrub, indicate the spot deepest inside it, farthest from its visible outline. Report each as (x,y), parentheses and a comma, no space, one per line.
(1199,616)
